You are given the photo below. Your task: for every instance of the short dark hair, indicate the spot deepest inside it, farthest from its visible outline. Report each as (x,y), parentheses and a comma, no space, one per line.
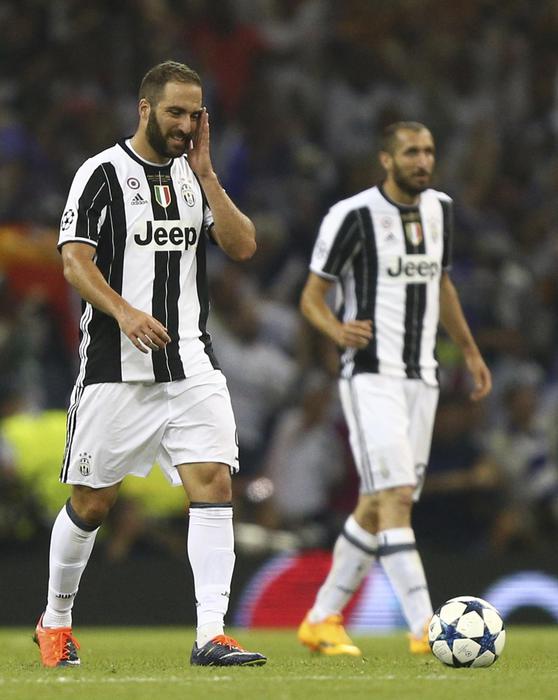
(156,78)
(389,134)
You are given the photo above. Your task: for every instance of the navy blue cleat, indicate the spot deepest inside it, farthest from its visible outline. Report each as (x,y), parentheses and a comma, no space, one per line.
(224,651)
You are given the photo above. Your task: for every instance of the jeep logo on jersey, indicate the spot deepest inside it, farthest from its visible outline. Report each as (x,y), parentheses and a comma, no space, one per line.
(413,268)
(162,195)
(166,235)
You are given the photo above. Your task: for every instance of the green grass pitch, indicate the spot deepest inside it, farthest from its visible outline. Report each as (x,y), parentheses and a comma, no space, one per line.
(138,663)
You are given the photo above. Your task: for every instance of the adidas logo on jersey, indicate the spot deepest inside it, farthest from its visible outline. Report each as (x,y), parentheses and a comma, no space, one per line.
(138,199)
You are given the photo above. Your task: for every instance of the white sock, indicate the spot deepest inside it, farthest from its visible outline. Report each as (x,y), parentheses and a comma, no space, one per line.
(353,555)
(403,567)
(70,549)
(211,554)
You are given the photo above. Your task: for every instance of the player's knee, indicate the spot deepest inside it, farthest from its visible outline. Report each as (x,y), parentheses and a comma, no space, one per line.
(366,512)
(209,482)
(221,487)
(399,499)
(92,507)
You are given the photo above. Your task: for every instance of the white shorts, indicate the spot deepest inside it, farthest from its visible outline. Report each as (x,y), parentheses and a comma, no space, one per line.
(118,429)
(390,429)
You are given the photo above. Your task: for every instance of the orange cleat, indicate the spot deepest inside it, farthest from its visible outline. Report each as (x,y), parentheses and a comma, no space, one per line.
(57,645)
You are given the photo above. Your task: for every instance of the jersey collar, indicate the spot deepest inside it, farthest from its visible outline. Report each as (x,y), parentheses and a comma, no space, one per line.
(402,207)
(125,145)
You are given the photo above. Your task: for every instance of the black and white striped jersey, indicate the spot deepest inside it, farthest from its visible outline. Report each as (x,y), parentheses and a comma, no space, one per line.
(148,224)
(387,260)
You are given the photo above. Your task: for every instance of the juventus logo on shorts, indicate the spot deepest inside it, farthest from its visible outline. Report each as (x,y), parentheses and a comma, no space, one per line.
(85,463)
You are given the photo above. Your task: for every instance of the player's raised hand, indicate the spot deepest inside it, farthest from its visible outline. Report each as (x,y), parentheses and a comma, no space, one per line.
(199,156)
(144,331)
(354,334)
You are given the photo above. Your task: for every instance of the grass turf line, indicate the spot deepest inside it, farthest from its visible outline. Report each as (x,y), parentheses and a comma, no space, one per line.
(142,663)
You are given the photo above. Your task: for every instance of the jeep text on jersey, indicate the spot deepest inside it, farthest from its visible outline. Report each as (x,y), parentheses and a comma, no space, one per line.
(166,235)
(416,268)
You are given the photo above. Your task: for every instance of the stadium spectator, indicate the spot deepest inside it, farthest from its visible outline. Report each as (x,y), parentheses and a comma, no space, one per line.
(522,447)
(305,461)
(22,518)
(463,480)
(260,375)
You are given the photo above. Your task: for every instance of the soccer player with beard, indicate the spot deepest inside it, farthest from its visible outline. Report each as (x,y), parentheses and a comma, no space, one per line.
(132,239)
(388,252)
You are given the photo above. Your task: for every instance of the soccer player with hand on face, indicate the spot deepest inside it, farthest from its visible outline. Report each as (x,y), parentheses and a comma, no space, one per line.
(387,250)
(149,388)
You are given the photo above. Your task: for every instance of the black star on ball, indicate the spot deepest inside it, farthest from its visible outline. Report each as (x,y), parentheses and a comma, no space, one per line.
(449,633)
(486,642)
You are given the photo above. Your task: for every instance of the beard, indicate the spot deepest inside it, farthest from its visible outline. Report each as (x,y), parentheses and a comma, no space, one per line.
(406,184)
(158,141)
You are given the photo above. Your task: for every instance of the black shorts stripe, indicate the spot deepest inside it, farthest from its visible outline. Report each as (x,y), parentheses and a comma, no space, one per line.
(70,431)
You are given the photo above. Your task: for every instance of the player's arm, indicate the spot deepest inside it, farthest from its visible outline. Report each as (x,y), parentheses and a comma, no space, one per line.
(232,230)
(145,332)
(453,321)
(314,306)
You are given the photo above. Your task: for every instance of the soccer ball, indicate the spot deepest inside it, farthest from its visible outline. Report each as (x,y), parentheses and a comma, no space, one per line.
(467,631)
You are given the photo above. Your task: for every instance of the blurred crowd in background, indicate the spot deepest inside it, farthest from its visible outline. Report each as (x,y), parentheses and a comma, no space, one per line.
(297,92)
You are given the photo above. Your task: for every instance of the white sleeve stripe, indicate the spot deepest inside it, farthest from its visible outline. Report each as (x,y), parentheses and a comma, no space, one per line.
(77,239)
(323,274)
(107,182)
